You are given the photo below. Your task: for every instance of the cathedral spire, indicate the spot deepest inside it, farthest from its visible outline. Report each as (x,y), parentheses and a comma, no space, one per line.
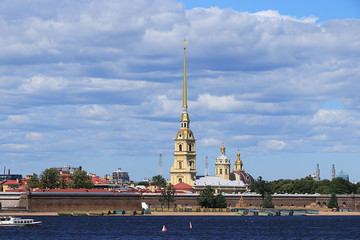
(184,81)
(184,120)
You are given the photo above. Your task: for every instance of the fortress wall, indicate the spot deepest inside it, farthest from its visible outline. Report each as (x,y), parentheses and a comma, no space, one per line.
(43,202)
(13,200)
(255,201)
(180,201)
(55,202)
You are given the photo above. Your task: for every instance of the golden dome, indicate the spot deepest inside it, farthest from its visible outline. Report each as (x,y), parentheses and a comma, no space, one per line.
(222,148)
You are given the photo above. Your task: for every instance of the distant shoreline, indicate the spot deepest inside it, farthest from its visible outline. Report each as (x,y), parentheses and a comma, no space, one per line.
(321,213)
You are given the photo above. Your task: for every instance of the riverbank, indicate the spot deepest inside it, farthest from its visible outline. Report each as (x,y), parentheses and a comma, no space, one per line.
(321,213)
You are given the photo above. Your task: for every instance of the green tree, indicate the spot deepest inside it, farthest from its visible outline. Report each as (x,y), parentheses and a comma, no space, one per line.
(81,180)
(167,195)
(63,184)
(49,178)
(333,203)
(322,189)
(34,181)
(143,183)
(158,180)
(267,202)
(342,186)
(261,187)
(287,188)
(206,198)
(220,201)
(305,185)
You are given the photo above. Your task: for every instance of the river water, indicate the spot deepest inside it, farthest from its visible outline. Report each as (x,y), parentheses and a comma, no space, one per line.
(203,227)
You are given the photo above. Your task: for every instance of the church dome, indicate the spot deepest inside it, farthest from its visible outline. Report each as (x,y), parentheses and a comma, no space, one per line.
(243,176)
(185,134)
(222,159)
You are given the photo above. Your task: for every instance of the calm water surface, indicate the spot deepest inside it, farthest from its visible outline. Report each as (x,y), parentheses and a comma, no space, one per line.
(222,227)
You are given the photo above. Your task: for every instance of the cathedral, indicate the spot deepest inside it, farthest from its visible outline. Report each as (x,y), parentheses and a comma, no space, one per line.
(184,167)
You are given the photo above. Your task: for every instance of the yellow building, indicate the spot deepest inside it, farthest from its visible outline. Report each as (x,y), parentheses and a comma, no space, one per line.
(222,165)
(184,168)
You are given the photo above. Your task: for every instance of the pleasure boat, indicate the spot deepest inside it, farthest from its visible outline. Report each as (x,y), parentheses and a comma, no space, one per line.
(10,221)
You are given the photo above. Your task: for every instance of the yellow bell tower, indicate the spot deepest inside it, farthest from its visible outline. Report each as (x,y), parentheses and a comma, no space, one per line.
(238,165)
(222,164)
(184,168)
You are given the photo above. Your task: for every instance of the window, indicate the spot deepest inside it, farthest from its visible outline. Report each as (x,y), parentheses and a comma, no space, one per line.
(180,180)
(180,165)
(220,171)
(225,171)
(190,147)
(180,147)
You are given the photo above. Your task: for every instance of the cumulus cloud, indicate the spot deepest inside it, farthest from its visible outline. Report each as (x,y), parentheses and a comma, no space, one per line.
(209,142)
(107,76)
(42,83)
(270,145)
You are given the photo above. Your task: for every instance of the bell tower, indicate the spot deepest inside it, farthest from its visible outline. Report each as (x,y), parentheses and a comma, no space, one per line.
(184,168)
(222,164)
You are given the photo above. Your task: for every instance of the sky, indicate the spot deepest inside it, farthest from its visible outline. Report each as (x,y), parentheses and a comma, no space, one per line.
(99,84)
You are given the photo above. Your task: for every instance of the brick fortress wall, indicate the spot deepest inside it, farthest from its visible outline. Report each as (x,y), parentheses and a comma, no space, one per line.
(42,202)
(56,202)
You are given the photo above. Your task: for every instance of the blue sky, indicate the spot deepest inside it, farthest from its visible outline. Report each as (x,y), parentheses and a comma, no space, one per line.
(322,9)
(98,84)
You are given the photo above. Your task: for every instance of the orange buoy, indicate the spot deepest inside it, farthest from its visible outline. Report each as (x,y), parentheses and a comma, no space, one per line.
(164,229)
(190,225)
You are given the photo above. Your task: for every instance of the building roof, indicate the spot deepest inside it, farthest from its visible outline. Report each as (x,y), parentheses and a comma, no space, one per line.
(183,186)
(244,176)
(218,181)
(11,182)
(72,190)
(97,181)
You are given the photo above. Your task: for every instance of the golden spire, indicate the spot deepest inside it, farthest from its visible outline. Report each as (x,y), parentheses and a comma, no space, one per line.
(184,81)
(184,115)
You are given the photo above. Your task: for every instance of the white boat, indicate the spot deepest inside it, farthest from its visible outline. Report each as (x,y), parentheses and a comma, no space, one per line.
(10,221)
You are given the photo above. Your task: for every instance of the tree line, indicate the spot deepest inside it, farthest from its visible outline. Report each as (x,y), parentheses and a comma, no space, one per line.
(304,185)
(50,178)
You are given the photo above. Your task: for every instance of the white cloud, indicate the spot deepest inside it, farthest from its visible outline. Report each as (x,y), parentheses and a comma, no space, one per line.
(270,145)
(322,116)
(107,76)
(13,146)
(93,111)
(43,83)
(210,142)
(33,136)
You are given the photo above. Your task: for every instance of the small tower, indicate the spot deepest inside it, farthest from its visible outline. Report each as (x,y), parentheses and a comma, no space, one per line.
(239,173)
(222,165)
(238,165)
(317,176)
(333,172)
